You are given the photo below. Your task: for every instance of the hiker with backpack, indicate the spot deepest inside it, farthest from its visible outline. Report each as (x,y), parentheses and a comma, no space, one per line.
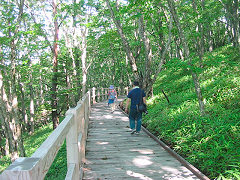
(112,97)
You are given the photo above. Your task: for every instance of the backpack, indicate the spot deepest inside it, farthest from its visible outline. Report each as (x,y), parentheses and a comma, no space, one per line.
(141,107)
(112,95)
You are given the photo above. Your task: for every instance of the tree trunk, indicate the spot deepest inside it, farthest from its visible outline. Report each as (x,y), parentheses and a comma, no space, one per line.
(11,122)
(77,62)
(41,98)
(14,111)
(12,100)
(2,135)
(200,37)
(23,110)
(32,124)
(186,55)
(55,118)
(68,102)
(148,56)
(5,127)
(68,76)
(83,57)
(163,54)
(31,103)
(126,45)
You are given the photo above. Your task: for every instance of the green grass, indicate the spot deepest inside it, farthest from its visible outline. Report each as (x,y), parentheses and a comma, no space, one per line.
(4,163)
(211,143)
(58,170)
(31,143)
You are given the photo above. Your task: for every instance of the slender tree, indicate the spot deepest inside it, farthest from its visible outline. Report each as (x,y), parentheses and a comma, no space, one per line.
(55,117)
(187,55)
(125,42)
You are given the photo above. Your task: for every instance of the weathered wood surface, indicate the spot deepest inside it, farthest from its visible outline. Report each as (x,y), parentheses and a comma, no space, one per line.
(113,153)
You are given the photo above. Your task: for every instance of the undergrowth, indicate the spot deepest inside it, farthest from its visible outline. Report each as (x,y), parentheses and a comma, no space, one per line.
(210,142)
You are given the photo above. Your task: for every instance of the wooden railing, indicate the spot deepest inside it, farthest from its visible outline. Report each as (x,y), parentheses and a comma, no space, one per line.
(74,129)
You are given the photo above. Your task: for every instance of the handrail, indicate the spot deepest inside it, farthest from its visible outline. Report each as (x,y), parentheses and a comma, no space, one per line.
(74,129)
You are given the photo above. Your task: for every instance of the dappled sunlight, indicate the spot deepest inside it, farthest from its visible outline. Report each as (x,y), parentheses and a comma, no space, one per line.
(142,161)
(154,99)
(175,174)
(207,82)
(171,169)
(108,116)
(184,79)
(102,143)
(143,151)
(104,129)
(138,175)
(123,119)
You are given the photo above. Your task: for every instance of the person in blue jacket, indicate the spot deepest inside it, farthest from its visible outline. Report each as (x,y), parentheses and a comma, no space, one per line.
(135,118)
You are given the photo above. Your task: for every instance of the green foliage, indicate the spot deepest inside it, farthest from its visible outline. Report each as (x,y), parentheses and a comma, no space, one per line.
(4,162)
(211,143)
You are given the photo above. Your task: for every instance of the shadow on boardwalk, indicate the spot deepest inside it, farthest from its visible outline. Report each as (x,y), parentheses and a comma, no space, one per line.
(113,153)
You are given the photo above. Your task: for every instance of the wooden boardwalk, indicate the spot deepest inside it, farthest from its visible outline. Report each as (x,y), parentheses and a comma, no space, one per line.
(113,153)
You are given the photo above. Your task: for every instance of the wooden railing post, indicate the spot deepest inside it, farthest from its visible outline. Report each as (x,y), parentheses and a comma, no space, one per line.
(89,103)
(98,95)
(126,90)
(105,93)
(94,95)
(87,112)
(84,127)
(102,94)
(73,155)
